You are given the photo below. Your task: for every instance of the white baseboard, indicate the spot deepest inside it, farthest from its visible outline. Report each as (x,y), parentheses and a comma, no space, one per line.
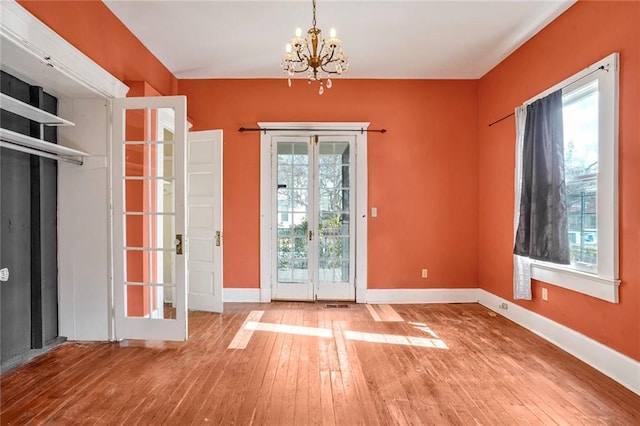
(423,295)
(619,367)
(247,295)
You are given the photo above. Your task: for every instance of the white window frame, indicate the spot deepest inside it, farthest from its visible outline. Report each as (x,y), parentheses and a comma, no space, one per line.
(603,284)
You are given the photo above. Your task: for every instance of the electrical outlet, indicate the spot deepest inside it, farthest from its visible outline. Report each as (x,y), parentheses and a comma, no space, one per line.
(504,306)
(545,294)
(425,273)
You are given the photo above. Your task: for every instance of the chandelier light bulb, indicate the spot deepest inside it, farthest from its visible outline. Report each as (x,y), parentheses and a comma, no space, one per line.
(298,32)
(288,47)
(332,33)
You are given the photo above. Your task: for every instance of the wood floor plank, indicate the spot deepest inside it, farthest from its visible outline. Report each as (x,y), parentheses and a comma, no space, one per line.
(388,314)
(373,313)
(304,366)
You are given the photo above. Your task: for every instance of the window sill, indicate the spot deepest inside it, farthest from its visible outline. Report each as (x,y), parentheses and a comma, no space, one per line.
(581,282)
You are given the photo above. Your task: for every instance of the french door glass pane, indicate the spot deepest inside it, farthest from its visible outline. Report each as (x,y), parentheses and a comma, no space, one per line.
(148,301)
(149,214)
(293,212)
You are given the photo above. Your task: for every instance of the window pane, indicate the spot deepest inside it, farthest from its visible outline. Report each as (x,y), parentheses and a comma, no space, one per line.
(583,232)
(580,121)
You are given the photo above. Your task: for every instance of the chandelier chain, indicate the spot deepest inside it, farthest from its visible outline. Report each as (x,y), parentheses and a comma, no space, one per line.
(313,22)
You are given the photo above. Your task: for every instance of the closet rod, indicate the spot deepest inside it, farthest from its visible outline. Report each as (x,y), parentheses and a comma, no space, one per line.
(267,129)
(39,153)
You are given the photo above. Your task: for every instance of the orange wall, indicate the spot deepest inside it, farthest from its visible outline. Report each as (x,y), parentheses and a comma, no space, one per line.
(587,32)
(94,30)
(422,173)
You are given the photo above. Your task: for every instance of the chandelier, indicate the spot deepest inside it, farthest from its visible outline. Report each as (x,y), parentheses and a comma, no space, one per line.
(312,54)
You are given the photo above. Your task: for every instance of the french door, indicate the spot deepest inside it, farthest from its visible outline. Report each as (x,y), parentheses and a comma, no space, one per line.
(149,140)
(313,229)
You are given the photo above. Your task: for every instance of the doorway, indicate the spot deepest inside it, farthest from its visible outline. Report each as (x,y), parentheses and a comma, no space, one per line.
(313,205)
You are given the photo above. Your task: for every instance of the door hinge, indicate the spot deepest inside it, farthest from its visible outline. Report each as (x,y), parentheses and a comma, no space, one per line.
(218,238)
(310,235)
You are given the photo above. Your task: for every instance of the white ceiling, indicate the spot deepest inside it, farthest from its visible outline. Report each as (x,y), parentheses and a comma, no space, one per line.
(383,39)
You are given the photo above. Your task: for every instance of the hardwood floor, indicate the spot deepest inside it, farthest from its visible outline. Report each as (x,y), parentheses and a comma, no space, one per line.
(303,364)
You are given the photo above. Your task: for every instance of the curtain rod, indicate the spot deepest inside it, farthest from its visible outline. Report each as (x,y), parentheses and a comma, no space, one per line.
(266,129)
(601,67)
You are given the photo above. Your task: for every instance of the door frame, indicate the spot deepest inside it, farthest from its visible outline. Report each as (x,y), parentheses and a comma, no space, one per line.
(307,129)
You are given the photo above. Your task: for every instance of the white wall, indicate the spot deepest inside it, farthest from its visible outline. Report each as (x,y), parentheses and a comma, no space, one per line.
(83,224)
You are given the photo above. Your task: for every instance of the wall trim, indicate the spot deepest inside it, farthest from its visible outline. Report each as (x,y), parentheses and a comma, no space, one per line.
(29,33)
(422,295)
(244,295)
(613,364)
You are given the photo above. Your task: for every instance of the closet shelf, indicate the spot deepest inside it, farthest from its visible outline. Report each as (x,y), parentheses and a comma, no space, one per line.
(63,152)
(15,106)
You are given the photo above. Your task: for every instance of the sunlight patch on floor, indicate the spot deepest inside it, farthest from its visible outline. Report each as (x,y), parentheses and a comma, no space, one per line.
(242,337)
(289,329)
(383,313)
(423,327)
(395,339)
(252,323)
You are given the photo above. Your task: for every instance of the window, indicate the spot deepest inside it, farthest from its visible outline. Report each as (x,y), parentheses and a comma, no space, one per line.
(580,122)
(590,121)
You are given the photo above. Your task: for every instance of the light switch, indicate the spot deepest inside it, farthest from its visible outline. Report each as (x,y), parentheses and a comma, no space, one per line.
(374,212)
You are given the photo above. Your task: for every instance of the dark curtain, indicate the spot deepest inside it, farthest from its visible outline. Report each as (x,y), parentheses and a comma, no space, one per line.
(542,228)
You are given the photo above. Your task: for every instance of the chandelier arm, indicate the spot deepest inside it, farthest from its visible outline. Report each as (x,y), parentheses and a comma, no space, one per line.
(328,58)
(329,72)
(302,70)
(330,62)
(300,58)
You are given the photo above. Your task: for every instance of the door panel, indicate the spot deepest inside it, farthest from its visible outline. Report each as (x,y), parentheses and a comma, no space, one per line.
(292,169)
(149,219)
(204,219)
(335,234)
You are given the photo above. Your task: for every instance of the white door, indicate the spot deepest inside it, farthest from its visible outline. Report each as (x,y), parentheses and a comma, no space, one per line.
(148,226)
(313,227)
(204,220)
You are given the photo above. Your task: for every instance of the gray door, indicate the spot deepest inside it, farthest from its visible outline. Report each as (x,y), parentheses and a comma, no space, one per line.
(15,253)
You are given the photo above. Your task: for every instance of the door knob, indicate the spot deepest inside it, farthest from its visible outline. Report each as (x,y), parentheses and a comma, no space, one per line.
(178,243)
